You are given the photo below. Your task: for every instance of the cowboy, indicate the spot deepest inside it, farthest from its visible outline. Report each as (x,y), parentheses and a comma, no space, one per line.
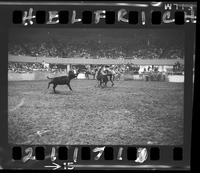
(74,69)
(97,72)
(103,70)
(113,70)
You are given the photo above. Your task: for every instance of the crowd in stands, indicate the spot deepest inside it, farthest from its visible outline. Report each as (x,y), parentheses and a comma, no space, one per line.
(92,49)
(87,69)
(87,49)
(30,67)
(24,67)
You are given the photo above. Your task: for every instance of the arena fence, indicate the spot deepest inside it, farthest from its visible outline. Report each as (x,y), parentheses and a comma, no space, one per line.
(38,75)
(13,58)
(175,78)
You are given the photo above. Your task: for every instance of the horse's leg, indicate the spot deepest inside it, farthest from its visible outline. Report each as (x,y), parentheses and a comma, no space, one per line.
(68,84)
(100,83)
(106,81)
(97,83)
(54,88)
(49,85)
(111,80)
(105,84)
(113,77)
(108,78)
(119,76)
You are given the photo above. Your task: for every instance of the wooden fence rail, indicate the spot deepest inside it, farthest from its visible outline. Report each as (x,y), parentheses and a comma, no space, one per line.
(167,62)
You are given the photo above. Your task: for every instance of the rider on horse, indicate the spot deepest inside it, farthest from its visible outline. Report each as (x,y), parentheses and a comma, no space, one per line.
(103,70)
(104,75)
(101,75)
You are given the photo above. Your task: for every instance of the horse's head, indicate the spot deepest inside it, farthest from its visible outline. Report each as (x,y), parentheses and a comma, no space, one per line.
(77,73)
(72,75)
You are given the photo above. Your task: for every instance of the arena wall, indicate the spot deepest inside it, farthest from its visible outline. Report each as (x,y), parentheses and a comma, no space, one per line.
(20,77)
(164,63)
(175,78)
(12,76)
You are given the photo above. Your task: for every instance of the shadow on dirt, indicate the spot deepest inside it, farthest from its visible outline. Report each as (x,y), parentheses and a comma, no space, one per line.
(61,92)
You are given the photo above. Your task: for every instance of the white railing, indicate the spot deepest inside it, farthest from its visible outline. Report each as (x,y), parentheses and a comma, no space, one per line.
(14,58)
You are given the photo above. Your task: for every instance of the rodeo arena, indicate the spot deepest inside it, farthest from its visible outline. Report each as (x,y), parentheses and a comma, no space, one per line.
(114,97)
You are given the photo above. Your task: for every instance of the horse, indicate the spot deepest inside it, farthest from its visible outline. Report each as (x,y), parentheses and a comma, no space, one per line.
(104,78)
(87,74)
(62,80)
(110,76)
(117,75)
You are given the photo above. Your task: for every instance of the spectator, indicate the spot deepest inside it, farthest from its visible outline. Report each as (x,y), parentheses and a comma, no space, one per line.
(91,49)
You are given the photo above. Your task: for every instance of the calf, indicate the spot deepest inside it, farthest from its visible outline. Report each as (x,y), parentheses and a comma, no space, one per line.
(62,80)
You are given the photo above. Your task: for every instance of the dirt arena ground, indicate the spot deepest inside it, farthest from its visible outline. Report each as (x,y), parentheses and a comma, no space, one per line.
(132,112)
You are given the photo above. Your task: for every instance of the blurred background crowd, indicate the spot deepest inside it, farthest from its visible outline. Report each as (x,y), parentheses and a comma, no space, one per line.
(92,49)
(87,69)
(94,44)
(97,43)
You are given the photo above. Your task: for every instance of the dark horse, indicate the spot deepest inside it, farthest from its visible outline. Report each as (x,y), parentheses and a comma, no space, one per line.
(62,80)
(103,79)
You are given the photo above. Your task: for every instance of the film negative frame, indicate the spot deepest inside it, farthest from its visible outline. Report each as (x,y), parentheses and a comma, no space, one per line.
(80,157)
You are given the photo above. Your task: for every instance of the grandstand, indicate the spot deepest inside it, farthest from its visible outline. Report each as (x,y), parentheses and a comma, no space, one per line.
(97,43)
(65,48)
